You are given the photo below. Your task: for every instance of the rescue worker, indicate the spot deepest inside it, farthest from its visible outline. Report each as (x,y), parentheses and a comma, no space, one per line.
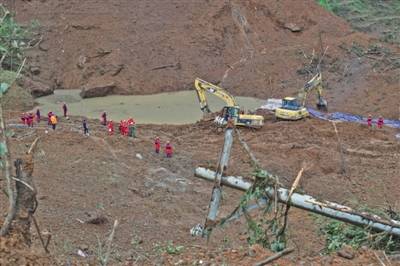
(124,127)
(49,115)
(369,121)
(23,118)
(85,128)
(168,150)
(104,118)
(65,109)
(157,144)
(380,122)
(132,127)
(30,120)
(110,127)
(53,120)
(38,115)
(120,127)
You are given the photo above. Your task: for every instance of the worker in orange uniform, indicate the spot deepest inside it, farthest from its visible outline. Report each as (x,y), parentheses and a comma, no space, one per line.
(168,150)
(380,122)
(369,121)
(53,121)
(157,144)
(110,127)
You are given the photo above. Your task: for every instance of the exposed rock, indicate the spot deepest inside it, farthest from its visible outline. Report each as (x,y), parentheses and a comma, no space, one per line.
(44,46)
(98,89)
(95,218)
(36,88)
(346,252)
(292,27)
(35,70)
(82,60)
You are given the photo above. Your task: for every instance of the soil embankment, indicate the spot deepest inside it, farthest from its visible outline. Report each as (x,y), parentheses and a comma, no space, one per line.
(254,48)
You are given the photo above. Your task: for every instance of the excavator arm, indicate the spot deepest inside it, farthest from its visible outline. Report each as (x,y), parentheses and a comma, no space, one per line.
(203,86)
(314,84)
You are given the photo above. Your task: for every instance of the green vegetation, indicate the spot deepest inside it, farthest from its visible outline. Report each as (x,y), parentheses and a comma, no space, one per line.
(369,16)
(14,39)
(338,234)
(267,230)
(169,248)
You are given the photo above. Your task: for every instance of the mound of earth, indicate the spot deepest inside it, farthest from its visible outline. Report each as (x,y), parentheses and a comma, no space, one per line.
(254,48)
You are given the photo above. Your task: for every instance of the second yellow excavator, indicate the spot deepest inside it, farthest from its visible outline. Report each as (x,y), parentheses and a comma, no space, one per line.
(231,110)
(294,108)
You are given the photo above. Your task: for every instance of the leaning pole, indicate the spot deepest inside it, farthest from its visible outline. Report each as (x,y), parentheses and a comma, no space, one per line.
(309,203)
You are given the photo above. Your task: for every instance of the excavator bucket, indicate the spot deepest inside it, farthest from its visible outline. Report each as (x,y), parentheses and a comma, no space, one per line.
(322,105)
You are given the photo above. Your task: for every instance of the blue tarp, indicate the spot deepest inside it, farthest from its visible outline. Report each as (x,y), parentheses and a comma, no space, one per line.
(350,118)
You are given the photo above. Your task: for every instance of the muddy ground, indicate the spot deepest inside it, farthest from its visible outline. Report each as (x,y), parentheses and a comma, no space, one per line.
(157,200)
(146,47)
(253,48)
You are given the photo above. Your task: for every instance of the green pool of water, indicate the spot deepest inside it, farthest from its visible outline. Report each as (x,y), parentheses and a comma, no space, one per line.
(165,108)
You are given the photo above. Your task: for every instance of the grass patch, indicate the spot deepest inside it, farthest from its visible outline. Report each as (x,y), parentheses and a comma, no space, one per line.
(337,234)
(380,16)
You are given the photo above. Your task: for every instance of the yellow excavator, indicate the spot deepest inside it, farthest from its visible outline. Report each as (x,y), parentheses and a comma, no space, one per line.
(231,110)
(294,108)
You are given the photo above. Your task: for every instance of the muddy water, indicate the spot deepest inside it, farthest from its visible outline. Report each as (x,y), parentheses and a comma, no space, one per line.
(164,108)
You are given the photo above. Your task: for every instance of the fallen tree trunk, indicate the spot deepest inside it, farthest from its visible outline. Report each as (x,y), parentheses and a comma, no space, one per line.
(309,203)
(217,192)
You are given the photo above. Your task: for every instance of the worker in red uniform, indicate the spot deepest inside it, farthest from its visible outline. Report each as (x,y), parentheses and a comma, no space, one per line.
(30,118)
(168,150)
(104,118)
(110,127)
(65,109)
(49,115)
(369,121)
(125,127)
(121,127)
(157,144)
(380,122)
(23,118)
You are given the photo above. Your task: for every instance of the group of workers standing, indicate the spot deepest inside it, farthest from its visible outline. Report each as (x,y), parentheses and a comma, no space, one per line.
(126,127)
(168,147)
(28,119)
(379,123)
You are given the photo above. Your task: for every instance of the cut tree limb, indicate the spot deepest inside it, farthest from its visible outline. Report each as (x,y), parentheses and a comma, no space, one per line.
(294,186)
(109,243)
(274,257)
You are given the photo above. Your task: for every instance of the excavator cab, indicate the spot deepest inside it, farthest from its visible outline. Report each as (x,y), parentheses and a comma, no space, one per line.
(290,103)
(227,113)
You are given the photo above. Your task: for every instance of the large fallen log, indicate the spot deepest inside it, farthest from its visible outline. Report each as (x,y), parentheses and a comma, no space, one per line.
(309,203)
(217,192)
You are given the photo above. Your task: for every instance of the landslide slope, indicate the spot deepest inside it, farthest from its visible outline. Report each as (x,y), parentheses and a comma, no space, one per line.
(144,47)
